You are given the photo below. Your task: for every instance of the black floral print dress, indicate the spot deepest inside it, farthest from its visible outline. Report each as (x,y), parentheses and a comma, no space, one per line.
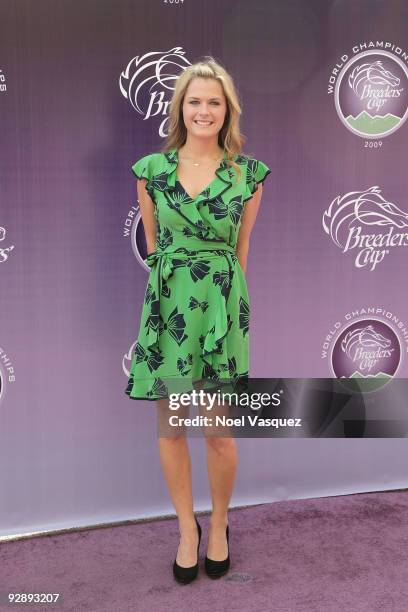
(195,317)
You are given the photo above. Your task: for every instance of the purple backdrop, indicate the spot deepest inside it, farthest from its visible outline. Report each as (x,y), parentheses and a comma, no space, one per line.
(75,114)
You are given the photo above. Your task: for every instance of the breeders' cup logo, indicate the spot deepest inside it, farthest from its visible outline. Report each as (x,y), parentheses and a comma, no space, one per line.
(350,217)
(4,250)
(127,360)
(138,240)
(371,94)
(368,348)
(149,80)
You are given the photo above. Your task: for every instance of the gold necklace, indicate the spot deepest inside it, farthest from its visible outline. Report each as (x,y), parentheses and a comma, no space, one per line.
(196,163)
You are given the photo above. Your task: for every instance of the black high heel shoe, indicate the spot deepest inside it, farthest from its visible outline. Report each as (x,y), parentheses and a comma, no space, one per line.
(216,569)
(184,575)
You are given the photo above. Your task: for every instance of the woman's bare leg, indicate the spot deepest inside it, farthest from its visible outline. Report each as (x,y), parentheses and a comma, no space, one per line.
(176,465)
(222,462)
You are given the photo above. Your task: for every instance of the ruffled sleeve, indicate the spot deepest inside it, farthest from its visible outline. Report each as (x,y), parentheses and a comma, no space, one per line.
(257,172)
(144,168)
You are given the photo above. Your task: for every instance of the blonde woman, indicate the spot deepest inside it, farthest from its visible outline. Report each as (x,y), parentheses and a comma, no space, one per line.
(199,199)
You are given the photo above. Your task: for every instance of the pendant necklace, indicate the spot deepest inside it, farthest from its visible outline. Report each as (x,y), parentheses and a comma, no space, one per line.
(196,163)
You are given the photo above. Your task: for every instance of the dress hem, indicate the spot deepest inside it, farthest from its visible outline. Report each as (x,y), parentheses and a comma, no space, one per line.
(221,382)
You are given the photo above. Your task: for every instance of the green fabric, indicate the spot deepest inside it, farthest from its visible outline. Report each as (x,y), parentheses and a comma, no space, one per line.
(195,316)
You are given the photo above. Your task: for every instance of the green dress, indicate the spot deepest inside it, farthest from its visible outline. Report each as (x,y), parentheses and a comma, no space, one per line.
(195,316)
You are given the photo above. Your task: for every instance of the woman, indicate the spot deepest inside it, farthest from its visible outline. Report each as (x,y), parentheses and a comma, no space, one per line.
(199,199)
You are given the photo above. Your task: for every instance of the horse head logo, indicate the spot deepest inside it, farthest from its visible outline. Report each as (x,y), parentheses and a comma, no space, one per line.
(147,78)
(366,337)
(367,207)
(373,73)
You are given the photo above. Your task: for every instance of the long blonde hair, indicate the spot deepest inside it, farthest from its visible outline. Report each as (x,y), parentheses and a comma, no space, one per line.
(230,137)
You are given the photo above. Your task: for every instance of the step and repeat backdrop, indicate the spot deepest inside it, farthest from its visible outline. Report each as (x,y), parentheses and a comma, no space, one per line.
(84,93)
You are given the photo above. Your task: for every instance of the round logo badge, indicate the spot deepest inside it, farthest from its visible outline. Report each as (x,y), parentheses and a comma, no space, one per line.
(367,349)
(139,245)
(371,94)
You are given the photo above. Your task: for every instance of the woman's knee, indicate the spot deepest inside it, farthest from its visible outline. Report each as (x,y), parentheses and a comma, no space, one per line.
(221,445)
(173,441)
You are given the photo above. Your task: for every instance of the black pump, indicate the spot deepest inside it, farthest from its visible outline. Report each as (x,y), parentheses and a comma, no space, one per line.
(216,569)
(184,575)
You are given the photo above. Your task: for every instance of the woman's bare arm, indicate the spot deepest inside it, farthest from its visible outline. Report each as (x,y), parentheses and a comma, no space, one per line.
(248,218)
(147,211)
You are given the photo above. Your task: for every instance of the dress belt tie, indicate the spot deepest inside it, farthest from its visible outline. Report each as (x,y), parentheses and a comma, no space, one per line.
(165,268)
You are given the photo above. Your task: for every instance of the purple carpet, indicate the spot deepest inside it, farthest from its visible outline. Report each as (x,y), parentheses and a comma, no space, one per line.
(335,554)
